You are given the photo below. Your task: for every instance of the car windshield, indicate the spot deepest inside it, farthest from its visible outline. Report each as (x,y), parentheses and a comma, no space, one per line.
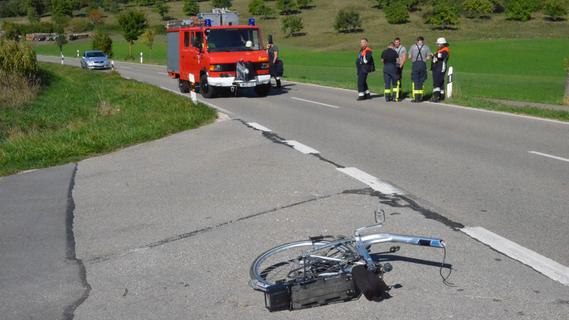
(94,54)
(224,40)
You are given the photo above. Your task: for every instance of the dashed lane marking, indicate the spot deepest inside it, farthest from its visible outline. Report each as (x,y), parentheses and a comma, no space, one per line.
(301,147)
(549,156)
(371,181)
(550,268)
(259,127)
(315,102)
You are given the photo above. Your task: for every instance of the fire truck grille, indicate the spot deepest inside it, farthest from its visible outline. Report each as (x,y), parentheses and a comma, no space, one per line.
(233,67)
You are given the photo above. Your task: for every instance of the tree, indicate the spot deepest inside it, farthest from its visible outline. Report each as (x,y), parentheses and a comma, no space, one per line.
(191,7)
(60,40)
(102,41)
(132,24)
(554,10)
(304,4)
(61,11)
(520,10)
(292,25)
(444,15)
(396,12)
(33,15)
(260,8)
(95,16)
(348,21)
(148,39)
(477,8)
(145,2)
(162,9)
(287,7)
(221,3)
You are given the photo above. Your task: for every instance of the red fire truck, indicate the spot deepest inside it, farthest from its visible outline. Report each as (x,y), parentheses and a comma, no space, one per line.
(211,51)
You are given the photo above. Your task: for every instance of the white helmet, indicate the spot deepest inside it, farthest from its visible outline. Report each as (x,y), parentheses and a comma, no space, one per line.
(442,41)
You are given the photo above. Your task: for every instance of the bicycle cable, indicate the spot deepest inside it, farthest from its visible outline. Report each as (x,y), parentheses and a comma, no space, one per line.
(445,278)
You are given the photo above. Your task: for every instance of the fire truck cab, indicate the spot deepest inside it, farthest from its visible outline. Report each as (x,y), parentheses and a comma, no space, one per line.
(204,53)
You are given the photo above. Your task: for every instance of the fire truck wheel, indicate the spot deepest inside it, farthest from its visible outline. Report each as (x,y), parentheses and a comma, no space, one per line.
(184,86)
(263,90)
(206,90)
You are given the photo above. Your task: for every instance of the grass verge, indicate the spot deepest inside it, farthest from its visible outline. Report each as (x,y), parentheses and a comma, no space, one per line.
(78,114)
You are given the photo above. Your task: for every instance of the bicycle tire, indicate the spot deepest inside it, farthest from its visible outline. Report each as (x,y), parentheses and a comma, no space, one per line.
(274,261)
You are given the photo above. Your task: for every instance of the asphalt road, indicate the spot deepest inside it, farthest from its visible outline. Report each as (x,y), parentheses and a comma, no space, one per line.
(40,277)
(167,229)
(475,167)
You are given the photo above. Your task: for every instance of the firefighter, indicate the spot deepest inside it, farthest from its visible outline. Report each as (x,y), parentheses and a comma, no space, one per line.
(275,65)
(389,57)
(402,52)
(439,67)
(364,65)
(419,53)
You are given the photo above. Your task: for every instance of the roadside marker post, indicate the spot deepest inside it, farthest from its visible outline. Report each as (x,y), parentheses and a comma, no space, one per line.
(113,65)
(141,58)
(77,53)
(62,59)
(449,84)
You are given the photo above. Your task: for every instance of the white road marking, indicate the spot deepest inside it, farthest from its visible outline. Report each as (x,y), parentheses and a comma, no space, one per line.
(258,127)
(549,156)
(315,102)
(371,181)
(301,147)
(541,264)
(514,115)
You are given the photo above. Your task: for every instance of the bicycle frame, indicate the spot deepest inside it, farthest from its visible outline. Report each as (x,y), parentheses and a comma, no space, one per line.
(361,242)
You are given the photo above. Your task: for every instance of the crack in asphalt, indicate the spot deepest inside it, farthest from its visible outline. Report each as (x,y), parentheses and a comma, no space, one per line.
(393,200)
(69,311)
(402,201)
(204,230)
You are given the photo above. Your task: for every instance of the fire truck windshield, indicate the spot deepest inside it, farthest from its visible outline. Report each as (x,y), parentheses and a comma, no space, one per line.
(225,40)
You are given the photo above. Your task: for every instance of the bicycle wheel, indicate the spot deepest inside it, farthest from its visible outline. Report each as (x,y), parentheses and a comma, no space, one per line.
(301,261)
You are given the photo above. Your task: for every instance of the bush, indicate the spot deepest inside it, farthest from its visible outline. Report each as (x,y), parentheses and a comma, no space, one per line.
(287,7)
(477,8)
(292,25)
(191,7)
(95,16)
(521,10)
(348,21)
(554,10)
(444,15)
(18,58)
(304,4)
(396,12)
(78,25)
(221,3)
(260,8)
(102,41)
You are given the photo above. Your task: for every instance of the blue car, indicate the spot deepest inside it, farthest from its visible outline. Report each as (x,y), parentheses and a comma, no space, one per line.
(95,59)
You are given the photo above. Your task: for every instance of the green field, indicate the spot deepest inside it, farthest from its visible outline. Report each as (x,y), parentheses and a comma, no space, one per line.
(79,113)
(503,69)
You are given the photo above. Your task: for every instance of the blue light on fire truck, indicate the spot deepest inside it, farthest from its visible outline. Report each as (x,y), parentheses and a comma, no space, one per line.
(207,22)
(251,21)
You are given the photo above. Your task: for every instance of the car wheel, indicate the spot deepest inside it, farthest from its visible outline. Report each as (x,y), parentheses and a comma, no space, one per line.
(184,86)
(207,91)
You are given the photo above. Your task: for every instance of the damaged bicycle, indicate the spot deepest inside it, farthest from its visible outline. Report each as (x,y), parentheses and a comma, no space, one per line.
(325,269)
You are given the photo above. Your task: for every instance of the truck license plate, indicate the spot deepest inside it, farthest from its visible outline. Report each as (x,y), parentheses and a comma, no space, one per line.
(247,84)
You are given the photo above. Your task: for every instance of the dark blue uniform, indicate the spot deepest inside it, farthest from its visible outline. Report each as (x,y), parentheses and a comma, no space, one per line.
(390,75)
(364,65)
